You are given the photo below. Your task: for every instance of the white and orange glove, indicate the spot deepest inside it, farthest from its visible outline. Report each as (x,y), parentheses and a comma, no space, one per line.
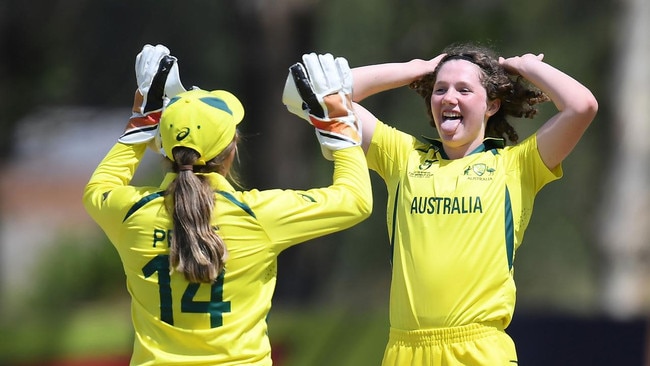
(319,90)
(156,73)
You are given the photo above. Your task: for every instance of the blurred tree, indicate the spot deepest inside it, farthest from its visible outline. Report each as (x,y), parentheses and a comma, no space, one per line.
(625,209)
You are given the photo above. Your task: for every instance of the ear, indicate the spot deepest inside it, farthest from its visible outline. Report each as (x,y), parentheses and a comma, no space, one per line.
(493,106)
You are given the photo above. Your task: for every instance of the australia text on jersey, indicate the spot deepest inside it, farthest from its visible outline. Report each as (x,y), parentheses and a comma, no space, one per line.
(446,205)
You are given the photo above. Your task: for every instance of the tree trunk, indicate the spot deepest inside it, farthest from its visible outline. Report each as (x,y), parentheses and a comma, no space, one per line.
(626,206)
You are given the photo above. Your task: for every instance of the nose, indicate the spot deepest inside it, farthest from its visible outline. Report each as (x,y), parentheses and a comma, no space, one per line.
(449,98)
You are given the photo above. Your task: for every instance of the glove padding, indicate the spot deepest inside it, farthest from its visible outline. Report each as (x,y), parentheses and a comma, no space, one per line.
(173,85)
(157,76)
(320,91)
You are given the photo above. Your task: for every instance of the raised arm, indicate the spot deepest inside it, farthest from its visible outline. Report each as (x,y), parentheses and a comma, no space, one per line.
(576,106)
(373,79)
(368,80)
(156,74)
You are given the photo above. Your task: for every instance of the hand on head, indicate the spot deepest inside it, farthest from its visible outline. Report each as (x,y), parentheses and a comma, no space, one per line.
(514,64)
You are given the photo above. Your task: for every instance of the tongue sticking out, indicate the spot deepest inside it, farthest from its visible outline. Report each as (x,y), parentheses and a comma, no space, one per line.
(449,125)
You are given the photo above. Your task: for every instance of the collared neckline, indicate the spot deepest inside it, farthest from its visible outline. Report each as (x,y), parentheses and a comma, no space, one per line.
(489,143)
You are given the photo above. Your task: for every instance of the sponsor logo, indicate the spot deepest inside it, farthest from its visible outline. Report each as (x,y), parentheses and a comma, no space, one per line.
(421,173)
(426,164)
(307,197)
(182,134)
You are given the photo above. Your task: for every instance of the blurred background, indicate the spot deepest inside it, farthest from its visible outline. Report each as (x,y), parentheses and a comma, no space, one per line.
(66,88)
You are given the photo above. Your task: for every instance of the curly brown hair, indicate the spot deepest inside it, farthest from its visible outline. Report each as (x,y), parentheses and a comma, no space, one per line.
(518,97)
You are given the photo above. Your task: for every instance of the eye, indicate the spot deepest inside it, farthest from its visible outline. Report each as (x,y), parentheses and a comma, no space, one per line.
(439,91)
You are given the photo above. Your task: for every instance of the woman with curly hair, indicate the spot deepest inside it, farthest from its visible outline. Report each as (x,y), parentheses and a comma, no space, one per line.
(458,205)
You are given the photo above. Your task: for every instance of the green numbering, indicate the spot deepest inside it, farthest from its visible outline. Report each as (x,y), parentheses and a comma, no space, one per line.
(215,307)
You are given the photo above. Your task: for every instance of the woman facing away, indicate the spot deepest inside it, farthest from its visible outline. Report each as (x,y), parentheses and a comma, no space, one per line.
(458,205)
(200,257)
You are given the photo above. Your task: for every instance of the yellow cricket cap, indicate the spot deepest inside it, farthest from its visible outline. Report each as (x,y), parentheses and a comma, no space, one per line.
(205,121)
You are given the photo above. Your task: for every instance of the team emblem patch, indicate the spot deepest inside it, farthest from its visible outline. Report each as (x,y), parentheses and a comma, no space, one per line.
(479,169)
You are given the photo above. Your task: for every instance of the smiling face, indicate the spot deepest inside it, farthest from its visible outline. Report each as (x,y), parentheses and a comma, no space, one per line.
(460,107)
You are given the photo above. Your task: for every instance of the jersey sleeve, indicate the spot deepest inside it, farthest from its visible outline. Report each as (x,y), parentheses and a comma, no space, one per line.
(388,150)
(534,173)
(114,173)
(294,216)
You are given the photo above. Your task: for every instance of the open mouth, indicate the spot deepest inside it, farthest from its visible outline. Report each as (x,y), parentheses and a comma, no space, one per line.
(451,116)
(450,122)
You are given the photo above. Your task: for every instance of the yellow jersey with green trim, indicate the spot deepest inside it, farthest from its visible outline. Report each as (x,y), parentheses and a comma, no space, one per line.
(454,226)
(224,323)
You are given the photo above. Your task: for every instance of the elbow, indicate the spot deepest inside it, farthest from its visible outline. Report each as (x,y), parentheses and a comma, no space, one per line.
(365,198)
(359,207)
(589,107)
(593,107)
(87,198)
(582,110)
(364,206)
(92,197)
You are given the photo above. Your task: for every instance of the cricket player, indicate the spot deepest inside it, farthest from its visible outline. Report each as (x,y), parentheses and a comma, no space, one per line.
(200,257)
(458,205)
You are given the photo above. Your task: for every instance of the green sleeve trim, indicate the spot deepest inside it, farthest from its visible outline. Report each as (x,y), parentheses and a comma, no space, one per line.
(242,205)
(143,201)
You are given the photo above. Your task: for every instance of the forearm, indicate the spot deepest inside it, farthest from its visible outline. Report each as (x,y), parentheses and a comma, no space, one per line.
(566,93)
(373,79)
(351,173)
(576,106)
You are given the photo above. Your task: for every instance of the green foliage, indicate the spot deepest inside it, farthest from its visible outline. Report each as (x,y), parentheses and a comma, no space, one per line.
(92,329)
(329,336)
(77,305)
(74,271)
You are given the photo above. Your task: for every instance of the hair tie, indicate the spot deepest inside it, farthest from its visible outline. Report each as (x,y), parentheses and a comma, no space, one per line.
(185,167)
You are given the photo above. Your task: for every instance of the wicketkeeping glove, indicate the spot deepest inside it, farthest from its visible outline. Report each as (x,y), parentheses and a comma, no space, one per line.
(320,91)
(156,73)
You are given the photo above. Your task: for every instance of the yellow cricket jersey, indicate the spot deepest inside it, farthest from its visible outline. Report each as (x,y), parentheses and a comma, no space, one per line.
(177,322)
(454,226)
